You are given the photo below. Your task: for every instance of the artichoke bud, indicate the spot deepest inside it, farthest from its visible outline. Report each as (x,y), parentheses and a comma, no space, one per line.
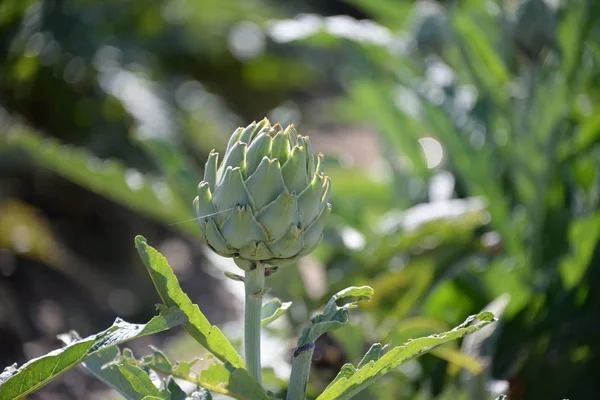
(267,199)
(433,31)
(535,28)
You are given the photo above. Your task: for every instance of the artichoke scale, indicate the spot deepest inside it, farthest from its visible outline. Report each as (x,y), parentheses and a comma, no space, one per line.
(266,183)
(281,149)
(235,158)
(240,228)
(312,235)
(231,191)
(277,216)
(294,171)
(210,170)
(289,244)
(256,151)
(310,201)
(216,241)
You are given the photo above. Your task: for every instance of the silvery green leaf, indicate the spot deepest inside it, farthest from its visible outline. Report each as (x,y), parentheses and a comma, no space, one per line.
(272,310)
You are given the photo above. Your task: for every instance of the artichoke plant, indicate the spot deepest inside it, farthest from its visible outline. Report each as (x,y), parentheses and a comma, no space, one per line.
(267,200)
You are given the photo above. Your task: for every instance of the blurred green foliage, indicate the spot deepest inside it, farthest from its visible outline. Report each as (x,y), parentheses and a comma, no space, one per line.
(484,192)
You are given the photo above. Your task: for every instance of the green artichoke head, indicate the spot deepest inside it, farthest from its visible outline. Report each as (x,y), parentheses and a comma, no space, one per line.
(267,200)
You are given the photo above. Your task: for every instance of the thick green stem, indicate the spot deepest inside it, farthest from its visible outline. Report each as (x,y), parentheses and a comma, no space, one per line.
(300,372)
(255,285)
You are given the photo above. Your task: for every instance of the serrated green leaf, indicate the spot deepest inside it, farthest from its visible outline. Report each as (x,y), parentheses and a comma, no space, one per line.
(159,362)
(123,379)
(18,383)
(236,383)
(419,326)
(272,310)
(140,382)
(334,316)
(344,387)
(184,368)
(167,286)
(157,358)
(346,372)
(373,354)
(156,362)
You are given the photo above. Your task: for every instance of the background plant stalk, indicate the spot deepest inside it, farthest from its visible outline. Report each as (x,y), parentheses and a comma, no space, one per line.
(254,285)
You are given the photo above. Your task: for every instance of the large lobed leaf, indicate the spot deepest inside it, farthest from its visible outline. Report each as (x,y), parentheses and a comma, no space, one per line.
(237,383)
(198,326)
(334,316)
(137,382)
(116,377)
(131,381)
(16,383)
(351,380)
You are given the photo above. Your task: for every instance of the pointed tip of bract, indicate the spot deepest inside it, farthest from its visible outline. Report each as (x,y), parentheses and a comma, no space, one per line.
(294,170)
(211,170)
(234,137)
(231,190)
(204,192)
(236,158)
(291,129)
(319,166)
(263,123)
(201,186)
(281,148)
(292,135)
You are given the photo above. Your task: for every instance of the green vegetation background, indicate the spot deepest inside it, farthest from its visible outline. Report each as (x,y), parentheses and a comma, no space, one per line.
(461,138)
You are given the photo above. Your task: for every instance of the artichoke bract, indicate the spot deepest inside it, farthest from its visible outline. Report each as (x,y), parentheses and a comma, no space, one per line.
(267,200)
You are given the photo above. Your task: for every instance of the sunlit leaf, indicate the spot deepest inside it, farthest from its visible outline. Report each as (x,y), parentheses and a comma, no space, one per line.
(273,309)
(198,326)
(216,377)
(373,354)
(334,316)
(16,383)
(130,381)
(345,386)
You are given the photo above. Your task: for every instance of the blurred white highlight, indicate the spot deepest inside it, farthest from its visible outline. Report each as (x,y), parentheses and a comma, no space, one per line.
(434,153)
